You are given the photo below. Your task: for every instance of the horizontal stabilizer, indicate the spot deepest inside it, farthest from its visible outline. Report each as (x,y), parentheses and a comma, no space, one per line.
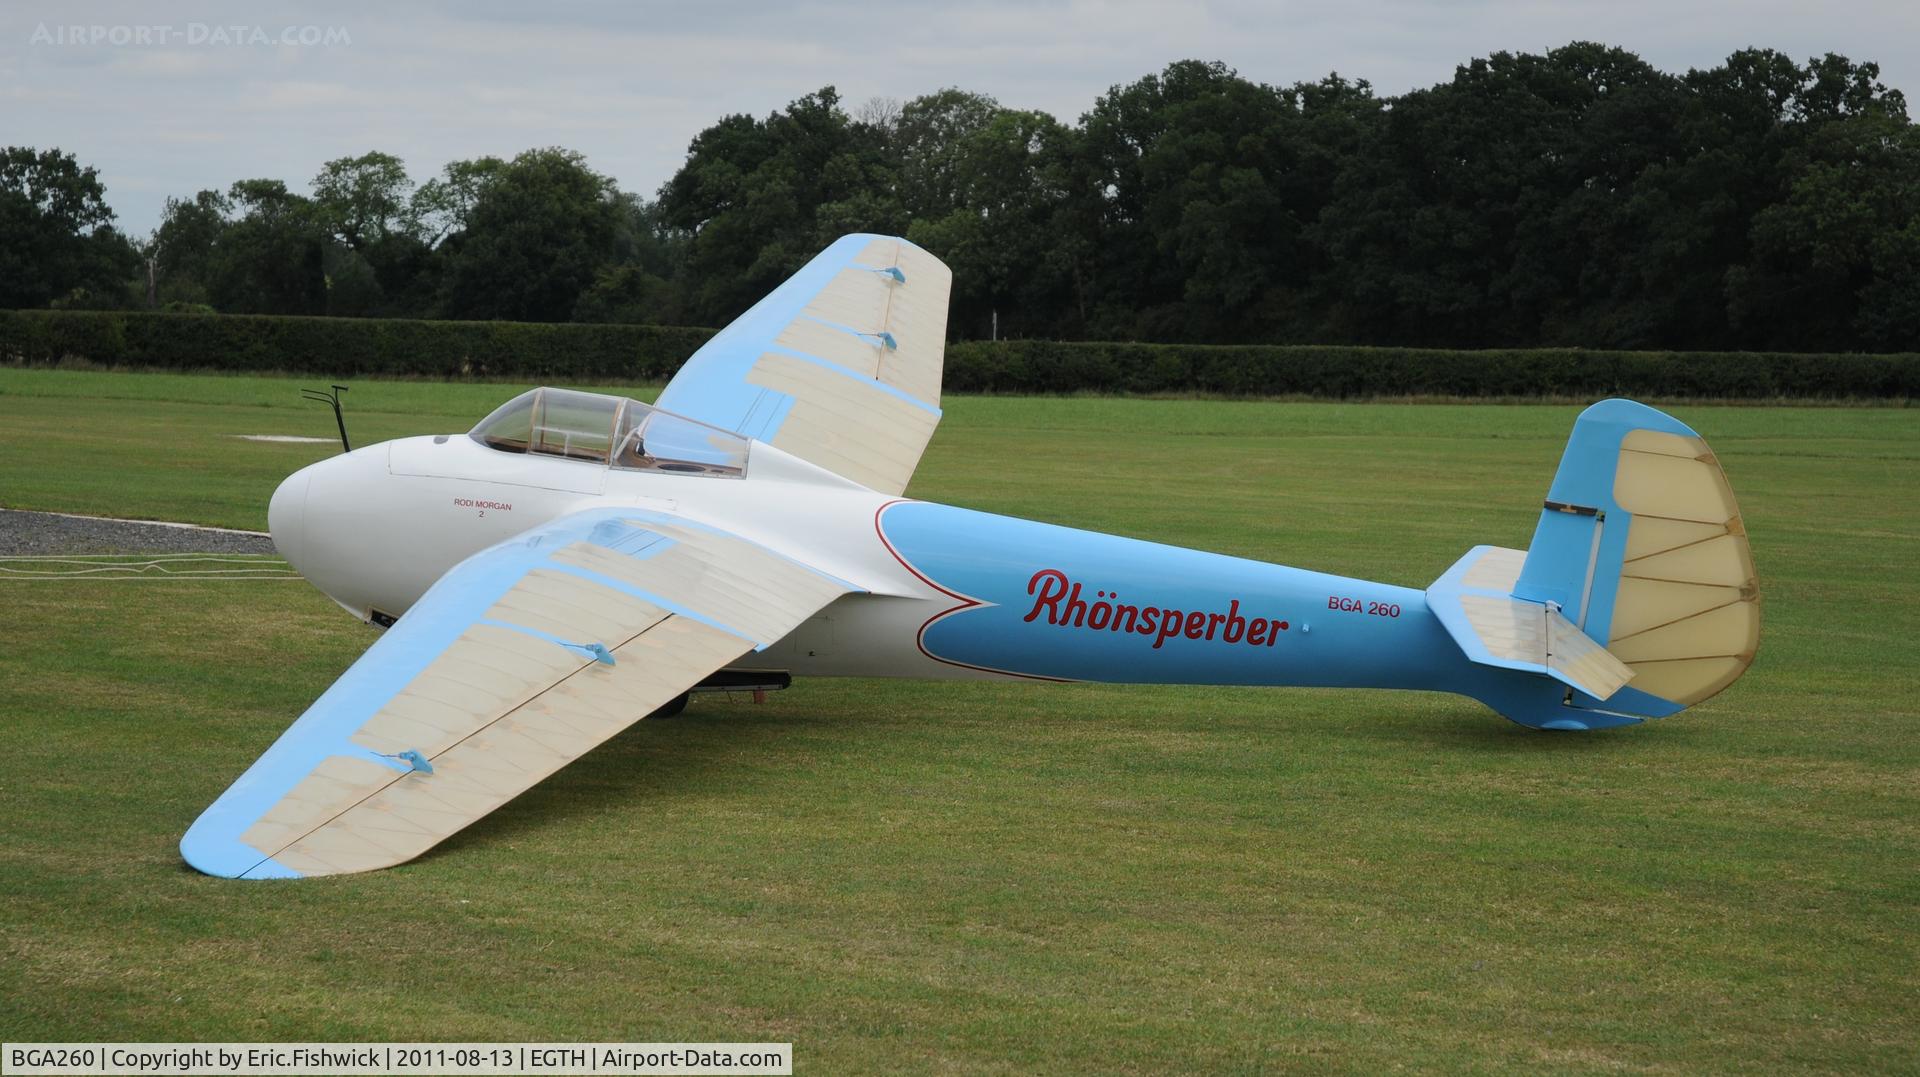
(1474,601)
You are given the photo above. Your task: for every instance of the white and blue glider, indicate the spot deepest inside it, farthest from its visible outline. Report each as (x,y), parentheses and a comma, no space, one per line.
(579,561)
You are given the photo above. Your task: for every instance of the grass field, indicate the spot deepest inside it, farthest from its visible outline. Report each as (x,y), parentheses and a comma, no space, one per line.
(1011,878)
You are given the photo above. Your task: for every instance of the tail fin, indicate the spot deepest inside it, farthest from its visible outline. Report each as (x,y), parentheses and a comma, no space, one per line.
(1638,592)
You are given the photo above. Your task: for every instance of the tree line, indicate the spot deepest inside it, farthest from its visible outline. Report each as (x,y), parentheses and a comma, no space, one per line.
(1575,198)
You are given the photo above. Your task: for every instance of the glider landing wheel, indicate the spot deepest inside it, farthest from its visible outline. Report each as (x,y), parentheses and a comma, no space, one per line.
(671,708)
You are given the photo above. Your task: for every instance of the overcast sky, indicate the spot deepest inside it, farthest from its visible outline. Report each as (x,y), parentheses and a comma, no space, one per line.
(212,94)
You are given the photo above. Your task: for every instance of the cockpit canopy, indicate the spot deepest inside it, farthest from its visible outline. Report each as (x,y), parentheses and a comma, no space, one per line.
(611,430)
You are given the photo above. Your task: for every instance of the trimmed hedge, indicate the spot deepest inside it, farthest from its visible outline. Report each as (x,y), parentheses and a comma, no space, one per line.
(525,351)
(346,347)
(1032,366)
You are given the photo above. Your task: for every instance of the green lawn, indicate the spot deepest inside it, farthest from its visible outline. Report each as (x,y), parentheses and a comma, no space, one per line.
(1011,878)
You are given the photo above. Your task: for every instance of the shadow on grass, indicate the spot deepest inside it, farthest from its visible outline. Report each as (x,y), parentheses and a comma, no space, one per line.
(661,757)
(1468,729)
(665,759)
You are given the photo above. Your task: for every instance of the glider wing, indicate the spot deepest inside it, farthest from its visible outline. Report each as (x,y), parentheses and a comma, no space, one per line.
(518,661)
(839,366)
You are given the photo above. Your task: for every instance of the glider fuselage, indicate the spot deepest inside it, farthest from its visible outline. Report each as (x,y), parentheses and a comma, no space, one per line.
(942,592)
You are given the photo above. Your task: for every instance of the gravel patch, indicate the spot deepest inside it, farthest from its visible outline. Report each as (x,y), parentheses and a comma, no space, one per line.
(30,533)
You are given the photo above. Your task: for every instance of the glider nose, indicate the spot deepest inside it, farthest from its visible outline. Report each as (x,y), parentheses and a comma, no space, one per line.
(287,516)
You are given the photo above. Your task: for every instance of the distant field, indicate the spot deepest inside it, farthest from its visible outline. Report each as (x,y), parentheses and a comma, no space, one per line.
(1011,878)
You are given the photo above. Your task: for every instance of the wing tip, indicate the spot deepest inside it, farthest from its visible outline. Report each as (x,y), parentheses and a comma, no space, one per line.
(210,852)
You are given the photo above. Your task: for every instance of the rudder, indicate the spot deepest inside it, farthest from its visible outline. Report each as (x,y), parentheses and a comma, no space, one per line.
(1636,598)
(1641,544)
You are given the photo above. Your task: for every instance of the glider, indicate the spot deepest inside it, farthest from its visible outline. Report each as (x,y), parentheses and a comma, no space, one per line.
(579,561)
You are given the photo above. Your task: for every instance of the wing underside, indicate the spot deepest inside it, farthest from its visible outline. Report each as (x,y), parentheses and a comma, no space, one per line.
(517,662)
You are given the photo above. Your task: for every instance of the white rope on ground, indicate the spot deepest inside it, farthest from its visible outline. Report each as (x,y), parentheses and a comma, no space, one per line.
(147,523)
(166,567)
(149,558)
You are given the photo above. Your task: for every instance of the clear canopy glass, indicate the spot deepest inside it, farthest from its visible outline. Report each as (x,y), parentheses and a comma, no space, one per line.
(612,430)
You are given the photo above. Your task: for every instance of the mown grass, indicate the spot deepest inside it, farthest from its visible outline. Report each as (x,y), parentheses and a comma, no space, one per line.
(1012,878)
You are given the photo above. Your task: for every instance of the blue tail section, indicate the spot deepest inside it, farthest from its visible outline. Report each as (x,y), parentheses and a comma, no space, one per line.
(1575,556)
(1638,572)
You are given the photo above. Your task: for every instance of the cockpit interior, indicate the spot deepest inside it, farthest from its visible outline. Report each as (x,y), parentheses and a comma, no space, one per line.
(613,431)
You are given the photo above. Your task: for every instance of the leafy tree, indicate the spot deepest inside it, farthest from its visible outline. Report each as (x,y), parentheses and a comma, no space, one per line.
(927,143)
(1830,264)
(1005,181)
(539,232)
(364,200)
(1575,197)
(184,247)
(630,294)
(757,198)
(1207,185)
(271,259)
(381,260)
(444,204)
(57,240)
(640,287)
(1471,217)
